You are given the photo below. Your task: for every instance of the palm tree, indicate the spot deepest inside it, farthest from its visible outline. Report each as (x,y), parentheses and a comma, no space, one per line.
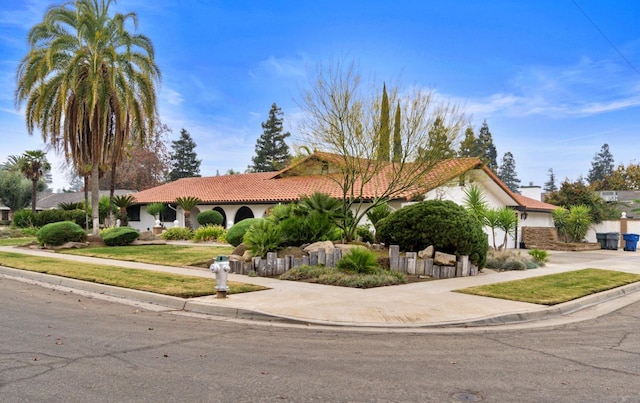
(34,165)
(122,202)
(187,204)
(89,86)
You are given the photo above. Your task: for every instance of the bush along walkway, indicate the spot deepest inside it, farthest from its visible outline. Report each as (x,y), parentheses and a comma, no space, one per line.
(424,263)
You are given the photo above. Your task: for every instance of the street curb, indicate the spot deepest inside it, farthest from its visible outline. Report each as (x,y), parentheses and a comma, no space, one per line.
(167,301)
(195,306)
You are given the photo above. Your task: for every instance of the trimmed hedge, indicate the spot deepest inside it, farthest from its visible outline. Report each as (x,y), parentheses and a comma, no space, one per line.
(237,231)
(447,226)
(120,236)
(61,232)
(210,217)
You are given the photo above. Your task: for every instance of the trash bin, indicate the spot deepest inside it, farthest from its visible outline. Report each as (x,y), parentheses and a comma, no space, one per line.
(611,240)
(602,240)
(630,241)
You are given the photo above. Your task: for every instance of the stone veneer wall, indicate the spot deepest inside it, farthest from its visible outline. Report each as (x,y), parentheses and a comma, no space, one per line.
(547,238)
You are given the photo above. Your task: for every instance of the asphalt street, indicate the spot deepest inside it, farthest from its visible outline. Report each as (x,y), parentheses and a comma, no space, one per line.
(63,346)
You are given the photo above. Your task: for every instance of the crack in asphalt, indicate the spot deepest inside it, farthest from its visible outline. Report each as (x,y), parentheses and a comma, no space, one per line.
(571,360)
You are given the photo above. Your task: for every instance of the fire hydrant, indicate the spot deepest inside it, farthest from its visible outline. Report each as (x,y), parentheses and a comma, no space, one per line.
(221,268)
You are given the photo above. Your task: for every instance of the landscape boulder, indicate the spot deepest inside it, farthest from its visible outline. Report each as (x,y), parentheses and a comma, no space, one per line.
(444,259)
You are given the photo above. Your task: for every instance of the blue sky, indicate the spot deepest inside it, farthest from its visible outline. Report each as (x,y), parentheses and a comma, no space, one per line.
(553,84)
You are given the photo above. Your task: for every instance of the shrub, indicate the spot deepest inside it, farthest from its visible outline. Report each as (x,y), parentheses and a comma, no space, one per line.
(45,217)
(78,216)
(237,231)
(58,233)
(539,256)
(119,236)
(177,234)
(209,233)
(441,223)
(364,233)
(359,260)
(263,237)
(509,260)
(210,217)
(332,276)
(23,219)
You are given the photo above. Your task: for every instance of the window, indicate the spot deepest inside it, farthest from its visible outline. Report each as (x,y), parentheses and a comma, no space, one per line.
(133,212)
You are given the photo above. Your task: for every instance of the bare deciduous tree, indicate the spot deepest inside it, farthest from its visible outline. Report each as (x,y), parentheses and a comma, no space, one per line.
(342,117)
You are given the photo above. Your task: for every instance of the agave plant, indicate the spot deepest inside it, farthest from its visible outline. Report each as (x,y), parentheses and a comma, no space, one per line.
(187,204)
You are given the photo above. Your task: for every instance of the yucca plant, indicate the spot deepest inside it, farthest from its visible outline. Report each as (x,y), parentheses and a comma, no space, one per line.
(155,209)
(187,204)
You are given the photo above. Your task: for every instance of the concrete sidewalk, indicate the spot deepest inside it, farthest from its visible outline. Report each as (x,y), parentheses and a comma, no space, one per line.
(415,305)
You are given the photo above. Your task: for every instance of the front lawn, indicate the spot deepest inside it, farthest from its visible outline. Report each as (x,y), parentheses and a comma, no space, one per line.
(555,288)
(168,255)
(145,280)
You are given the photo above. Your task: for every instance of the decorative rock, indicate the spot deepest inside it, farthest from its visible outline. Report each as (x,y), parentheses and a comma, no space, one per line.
(426,253)
(146,236)
(236,258)
(314,247)
(247,255)
(444,259)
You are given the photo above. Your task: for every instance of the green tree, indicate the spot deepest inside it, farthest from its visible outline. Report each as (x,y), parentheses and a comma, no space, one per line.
(624,178)
(439,142)
(507,172)
(469,146)
(577,193)
(601,167)
(385,132)
(272,152)
(488,154)
(15,190)
(34,165)
(89,86)
(184,162)
(397,136)
(342,117)
(550,185)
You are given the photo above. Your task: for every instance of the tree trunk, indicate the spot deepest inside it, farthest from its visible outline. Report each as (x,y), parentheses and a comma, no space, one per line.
(112,191)
(94,180)
(34,194)
(86,202)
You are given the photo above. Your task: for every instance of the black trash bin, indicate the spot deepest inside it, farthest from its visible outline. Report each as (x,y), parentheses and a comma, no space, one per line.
(602,240)
(611,240)
(630,242)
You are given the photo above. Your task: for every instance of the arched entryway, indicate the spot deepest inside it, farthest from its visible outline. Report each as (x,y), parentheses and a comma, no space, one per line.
(224,215)
(243,213)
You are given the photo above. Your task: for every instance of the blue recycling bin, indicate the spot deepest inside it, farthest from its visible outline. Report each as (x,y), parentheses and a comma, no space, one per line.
(630,242)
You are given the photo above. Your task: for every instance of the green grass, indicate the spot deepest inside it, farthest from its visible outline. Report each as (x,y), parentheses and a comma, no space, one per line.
(16,241)
(169,255)
(145,280)
(555,288)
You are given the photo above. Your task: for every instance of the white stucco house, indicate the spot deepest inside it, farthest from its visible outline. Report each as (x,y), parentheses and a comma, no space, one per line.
(250,195)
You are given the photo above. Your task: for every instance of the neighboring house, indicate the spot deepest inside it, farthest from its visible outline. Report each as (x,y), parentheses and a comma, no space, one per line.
(242,196)
(4,212)
(48,200)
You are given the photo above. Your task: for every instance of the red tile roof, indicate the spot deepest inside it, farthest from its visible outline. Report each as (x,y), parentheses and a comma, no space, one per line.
(287,185)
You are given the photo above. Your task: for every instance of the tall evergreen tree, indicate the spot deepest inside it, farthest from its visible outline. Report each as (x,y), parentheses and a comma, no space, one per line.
(397,136)
(272,153)
(550,185)
(385,131)
(469,146)
(489,154)
(602,165)
(184,162)
(507,172)
(440,143)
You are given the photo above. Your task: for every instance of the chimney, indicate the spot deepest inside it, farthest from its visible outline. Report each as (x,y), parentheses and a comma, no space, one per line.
(532,191)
